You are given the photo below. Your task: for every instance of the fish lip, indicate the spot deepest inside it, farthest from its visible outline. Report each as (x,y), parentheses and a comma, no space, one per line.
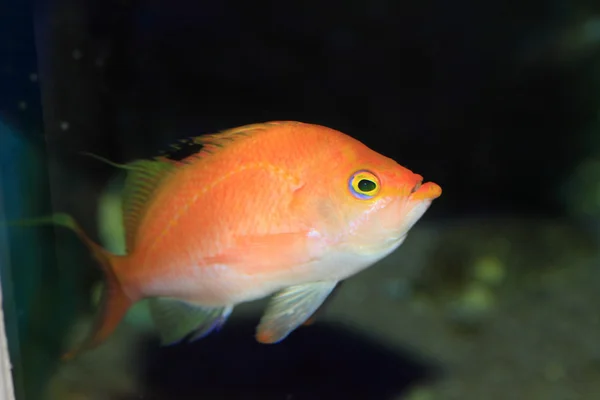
(425,191)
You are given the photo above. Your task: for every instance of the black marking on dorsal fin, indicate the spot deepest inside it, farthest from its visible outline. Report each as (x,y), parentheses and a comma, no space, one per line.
(196,147)
(183,149)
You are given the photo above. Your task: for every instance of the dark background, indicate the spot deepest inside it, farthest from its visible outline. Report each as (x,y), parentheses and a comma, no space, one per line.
(491,100)
(495,101)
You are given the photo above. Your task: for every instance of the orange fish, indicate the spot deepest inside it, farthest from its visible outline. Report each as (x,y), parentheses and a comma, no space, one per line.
(287,209)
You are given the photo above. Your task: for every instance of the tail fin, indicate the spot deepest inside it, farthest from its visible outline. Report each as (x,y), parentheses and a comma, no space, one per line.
(114,303)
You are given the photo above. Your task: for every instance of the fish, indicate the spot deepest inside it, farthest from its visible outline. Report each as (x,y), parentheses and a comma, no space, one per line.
(284,210)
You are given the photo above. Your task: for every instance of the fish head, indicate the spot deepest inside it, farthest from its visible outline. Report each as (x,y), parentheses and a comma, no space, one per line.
(384,204)
(372,202)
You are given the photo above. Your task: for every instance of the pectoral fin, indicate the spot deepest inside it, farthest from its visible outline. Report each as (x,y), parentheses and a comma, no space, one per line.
(311,320)
(290,308)
(175,320)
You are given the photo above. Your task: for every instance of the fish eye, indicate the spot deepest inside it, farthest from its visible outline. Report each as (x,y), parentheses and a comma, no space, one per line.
(363,185)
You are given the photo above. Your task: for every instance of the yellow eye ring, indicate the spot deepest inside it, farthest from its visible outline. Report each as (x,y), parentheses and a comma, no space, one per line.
(363,184)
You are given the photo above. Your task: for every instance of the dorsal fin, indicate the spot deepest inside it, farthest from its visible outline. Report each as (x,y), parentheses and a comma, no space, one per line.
(143,177)
(200,146)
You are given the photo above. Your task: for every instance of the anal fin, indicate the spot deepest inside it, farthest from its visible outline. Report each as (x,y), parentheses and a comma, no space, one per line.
(177,320)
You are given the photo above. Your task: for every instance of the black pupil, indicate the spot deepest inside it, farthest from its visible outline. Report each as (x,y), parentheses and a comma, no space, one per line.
(366,185)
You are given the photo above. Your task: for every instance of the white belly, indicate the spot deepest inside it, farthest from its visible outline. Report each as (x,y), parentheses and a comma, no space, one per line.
(219,285)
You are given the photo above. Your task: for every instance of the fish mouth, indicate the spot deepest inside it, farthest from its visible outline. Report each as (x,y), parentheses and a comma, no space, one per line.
(416,187)
(425,191)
